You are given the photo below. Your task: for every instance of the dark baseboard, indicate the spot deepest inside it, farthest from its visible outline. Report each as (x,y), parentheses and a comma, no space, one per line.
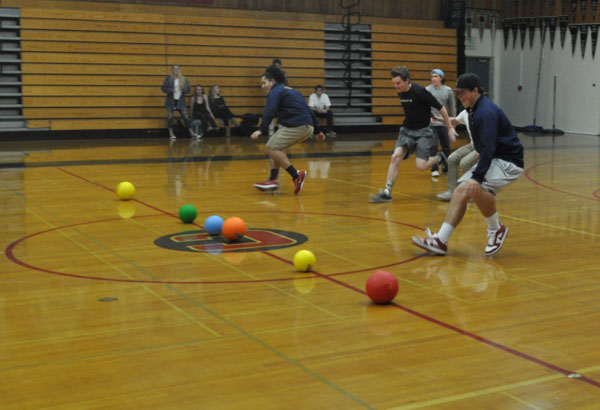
(157,133)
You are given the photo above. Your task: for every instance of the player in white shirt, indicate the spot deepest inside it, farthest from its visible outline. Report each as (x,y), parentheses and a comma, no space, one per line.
(465,156)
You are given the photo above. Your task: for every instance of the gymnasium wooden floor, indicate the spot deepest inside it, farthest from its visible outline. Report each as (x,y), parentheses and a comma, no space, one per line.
(102,306)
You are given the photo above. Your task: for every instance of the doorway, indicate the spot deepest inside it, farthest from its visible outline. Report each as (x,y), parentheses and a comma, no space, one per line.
(482,66)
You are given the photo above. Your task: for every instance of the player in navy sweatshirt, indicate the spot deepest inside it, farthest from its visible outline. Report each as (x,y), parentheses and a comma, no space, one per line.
(500,164)
(296,123)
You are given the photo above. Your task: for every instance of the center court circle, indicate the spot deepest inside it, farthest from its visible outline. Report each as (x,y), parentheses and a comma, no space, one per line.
(12,257)
(256,239)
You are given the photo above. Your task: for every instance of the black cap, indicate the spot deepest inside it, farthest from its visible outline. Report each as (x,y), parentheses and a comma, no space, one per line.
(467,81)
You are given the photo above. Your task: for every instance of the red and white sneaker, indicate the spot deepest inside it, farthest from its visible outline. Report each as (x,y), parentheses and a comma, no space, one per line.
(268,185)
(431,244)
(496,240)
(299,182)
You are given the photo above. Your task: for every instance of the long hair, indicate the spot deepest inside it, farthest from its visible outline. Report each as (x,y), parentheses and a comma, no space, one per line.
(195,96)
(180,76)
(212,94)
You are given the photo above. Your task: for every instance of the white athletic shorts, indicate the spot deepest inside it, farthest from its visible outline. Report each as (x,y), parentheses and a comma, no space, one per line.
(500,174)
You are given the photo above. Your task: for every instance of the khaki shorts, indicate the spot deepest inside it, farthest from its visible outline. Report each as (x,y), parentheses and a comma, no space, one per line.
(499,175)
(419,141)
(287,136)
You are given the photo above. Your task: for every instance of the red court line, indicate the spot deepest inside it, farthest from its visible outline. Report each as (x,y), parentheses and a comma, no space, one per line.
(529,177)
(9,251)
(421,315)
(457,329)
(132,199)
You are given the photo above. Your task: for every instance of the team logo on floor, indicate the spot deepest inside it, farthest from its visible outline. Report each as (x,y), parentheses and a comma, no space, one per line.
(254,240)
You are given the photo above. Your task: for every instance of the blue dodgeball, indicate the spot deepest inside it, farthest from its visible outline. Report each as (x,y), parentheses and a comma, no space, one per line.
(213,224)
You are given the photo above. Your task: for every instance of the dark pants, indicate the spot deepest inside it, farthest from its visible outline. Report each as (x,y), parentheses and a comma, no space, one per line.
(205,120)
(329,116)
(226,115)
(440,134)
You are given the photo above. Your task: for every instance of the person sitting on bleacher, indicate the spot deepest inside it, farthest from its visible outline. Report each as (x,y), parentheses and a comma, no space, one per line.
(202,117)
(220,109)
(321,105)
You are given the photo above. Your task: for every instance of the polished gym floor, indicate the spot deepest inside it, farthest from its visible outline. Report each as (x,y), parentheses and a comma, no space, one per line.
(117,304)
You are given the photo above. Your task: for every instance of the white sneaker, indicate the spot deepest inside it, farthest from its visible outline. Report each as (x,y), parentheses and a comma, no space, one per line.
(496,240)
(445,196)
(435,173)
(171,135)
(431,244)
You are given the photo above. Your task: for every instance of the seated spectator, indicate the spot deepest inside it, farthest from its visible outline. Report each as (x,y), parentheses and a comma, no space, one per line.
(220,109)
(202,117)
(320,104)
(176,86)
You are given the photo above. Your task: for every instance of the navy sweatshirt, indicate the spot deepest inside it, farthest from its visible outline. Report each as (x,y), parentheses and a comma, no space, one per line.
(289,106)
(493,137)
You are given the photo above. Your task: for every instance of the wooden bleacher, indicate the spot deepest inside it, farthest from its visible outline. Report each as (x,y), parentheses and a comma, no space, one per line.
(101,68)
(420,49)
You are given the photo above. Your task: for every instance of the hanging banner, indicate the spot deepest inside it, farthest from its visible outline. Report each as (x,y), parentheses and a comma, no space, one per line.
(468,22)
(481,22)
(531,23)
(563,22)
(506,31)
(594,8)
(573,28)
(552,6)
(494,16)
(523,30)
(542,4)
(594,34)
(583,9)
(514,27)
(543,26)
(563,6)
(552,21)
(583,34)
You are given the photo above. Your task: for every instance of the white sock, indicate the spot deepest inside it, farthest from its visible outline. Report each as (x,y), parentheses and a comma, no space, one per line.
(493,222)
(388,188)
(445,232)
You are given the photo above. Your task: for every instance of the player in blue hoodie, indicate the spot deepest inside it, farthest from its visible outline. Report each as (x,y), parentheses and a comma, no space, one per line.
(296,123)
(500,164)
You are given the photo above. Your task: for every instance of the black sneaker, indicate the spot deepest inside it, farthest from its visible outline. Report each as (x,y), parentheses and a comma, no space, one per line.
(380,197)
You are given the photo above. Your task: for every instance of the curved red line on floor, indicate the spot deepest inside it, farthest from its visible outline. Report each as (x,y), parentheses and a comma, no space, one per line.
(9,252)
(530,178)
(430,319)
